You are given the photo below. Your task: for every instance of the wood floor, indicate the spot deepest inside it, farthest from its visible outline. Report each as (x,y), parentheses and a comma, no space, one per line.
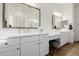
(71,49)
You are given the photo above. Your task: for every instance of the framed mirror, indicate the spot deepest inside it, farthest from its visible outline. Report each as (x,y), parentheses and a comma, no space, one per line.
(20,15)
(56,22)
(65,23)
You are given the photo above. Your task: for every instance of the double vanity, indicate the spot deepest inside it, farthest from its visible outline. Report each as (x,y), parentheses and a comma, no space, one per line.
(23,16)
(35,44)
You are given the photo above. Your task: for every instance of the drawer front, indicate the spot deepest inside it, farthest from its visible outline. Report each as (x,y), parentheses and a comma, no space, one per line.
(9,42)
(54,37)
(44,38)
(10,51)
(29,39)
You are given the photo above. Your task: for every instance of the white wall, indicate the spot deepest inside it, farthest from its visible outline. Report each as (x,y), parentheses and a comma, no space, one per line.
(76,21)
(47,10)
(0,15)
(11,30)
(46,16)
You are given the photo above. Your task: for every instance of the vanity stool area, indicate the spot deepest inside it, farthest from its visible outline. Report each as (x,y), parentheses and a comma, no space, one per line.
(58,40)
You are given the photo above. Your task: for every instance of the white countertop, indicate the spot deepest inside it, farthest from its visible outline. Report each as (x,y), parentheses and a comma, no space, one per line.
(53,33)
(56,33)
(4,36)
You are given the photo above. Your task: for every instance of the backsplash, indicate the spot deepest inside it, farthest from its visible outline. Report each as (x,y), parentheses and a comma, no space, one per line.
(16,31)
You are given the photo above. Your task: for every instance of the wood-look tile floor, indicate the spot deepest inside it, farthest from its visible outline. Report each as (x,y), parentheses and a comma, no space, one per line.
(71,49)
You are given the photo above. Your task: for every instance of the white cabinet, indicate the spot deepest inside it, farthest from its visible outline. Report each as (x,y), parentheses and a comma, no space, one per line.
(29,46)
(10,51)
(44,38)
(44,45)
(44,48)
(36,45)
(66,37)
(71,36)
(9,42)
(63,38)
(30,49)
(29,39)
(10,47)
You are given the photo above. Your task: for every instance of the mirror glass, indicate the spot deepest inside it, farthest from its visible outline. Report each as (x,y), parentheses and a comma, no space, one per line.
(65,23)
(19,15)
(56,22)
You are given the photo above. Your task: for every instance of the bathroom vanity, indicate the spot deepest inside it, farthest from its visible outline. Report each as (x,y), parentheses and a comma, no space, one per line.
(22,16)
(63,37)
(24,45)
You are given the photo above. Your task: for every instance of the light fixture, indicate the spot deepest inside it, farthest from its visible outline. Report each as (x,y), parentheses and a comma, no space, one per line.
(57,14)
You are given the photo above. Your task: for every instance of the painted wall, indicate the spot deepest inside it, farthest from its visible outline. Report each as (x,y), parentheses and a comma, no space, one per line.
(47,10)
(76,21)
(11,30)
(46,16)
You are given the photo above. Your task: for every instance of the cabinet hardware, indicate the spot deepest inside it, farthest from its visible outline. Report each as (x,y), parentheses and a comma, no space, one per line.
(17,48)
(6,43)
(39,42)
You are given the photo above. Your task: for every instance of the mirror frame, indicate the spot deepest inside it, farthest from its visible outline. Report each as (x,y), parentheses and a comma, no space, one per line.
(52,22)
(3,17)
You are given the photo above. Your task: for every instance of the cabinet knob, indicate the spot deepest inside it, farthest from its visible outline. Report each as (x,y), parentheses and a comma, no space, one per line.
(17,48)
(6,43)
(39,42)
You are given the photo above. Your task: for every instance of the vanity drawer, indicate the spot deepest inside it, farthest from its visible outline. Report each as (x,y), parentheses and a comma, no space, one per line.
(54,37)
(29,38)
(10,51)
(9,42)
(44,38)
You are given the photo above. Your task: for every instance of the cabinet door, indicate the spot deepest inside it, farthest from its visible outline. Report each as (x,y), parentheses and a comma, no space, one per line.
(71,36)
(63,38)
(30,49)
(44,48)
(9,42)
(29,39)
(10,51)
(44,37)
